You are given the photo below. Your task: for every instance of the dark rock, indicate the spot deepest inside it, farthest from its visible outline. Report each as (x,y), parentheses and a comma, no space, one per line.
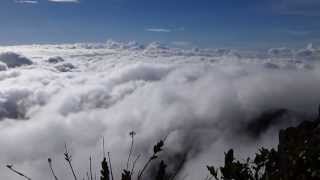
(299,152)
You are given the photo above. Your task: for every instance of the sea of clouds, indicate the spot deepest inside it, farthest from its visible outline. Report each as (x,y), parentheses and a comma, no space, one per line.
(203,101)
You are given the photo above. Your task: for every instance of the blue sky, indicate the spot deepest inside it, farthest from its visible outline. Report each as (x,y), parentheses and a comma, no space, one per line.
(207,23)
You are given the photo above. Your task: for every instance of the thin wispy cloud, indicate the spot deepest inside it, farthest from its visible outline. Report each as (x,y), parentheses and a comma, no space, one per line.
(299,32)
(298,7)
(36,2)
(159,30)
(165,30)
(66,1)
(26,1)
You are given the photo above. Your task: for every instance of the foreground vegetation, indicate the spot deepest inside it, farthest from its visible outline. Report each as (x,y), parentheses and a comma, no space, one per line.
(296,158)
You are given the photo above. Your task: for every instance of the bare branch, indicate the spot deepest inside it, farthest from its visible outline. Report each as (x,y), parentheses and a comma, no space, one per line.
(110,166)
(17,172)
(51,168)
(67,157)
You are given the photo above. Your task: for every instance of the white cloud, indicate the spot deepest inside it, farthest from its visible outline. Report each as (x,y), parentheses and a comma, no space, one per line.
(70,1)
(26,1)
(3,66)
(165,30)
(206,97)
(159,30)
(36,1)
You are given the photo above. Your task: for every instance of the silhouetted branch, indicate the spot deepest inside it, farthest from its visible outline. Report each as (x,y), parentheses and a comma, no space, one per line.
(132,134)
(67,157)
(51,168)
(103,150)
(134,164)
(110,166)
(91,176)
(156,149)
(17,172)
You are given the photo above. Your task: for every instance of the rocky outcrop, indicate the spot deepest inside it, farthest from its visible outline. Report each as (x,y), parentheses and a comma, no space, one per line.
(299,152)
(297,157)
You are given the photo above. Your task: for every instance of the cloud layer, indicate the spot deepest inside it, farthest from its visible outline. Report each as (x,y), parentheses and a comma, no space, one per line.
(204,96)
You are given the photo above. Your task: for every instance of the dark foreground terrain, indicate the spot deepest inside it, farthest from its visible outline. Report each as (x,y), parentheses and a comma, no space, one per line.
(296,158)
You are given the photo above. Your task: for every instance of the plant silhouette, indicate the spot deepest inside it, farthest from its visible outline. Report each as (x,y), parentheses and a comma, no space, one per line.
(296,158)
